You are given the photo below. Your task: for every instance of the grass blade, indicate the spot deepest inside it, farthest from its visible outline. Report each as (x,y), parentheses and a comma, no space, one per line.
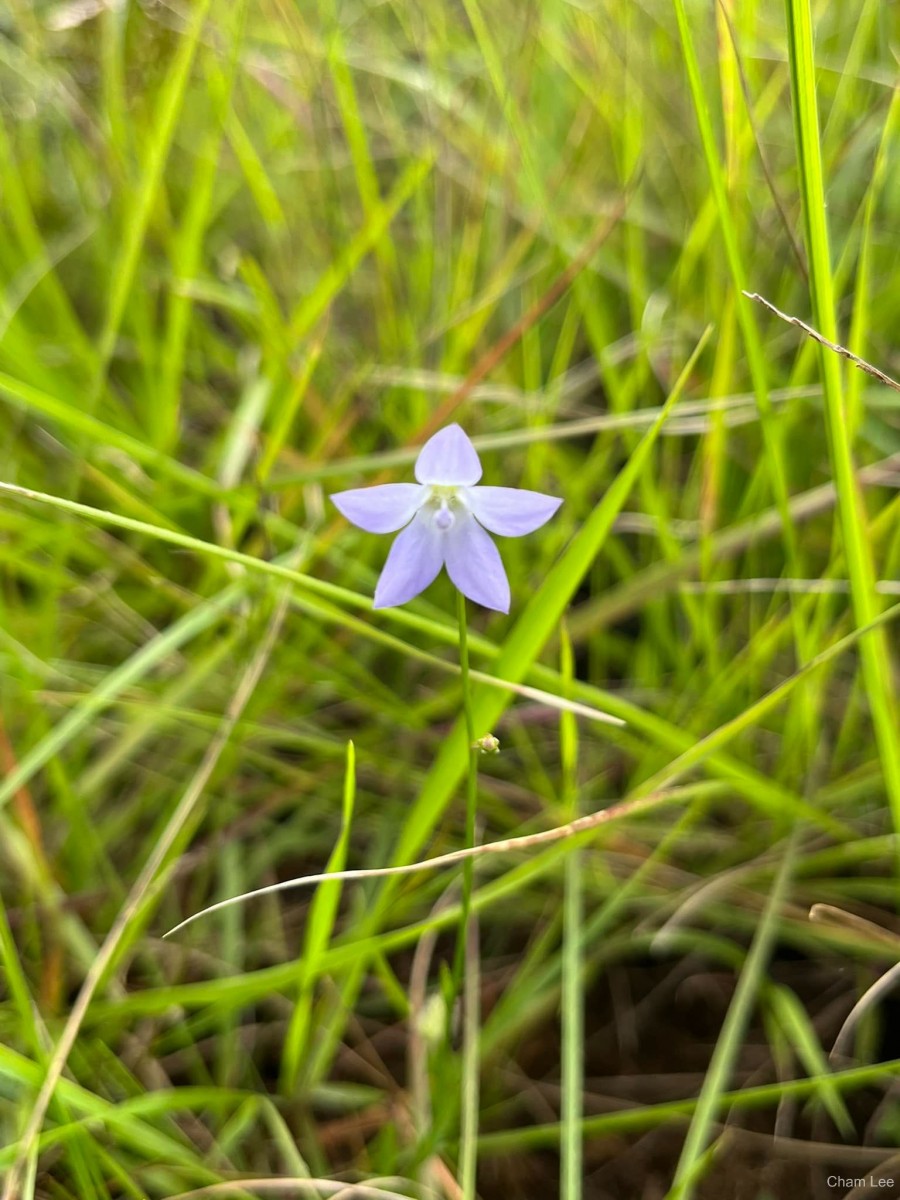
(874,650)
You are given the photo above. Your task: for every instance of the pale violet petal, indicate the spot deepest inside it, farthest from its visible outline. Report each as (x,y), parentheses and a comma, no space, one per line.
(511,512)
(380,509)
(474,565)
(449,458)
(415,559)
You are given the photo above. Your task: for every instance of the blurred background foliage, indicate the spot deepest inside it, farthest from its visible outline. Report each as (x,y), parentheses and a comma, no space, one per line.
(256,251)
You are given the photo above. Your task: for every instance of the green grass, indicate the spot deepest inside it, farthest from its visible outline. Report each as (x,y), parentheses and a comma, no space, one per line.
(255,253)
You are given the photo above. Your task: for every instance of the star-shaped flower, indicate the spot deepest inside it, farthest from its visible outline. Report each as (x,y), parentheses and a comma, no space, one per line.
(443,519)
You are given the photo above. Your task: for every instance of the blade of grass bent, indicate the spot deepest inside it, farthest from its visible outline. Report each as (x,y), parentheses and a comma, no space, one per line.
(651,1116)
(309,583)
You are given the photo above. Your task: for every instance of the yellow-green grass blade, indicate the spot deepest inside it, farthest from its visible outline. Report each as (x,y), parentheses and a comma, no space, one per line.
(798,1027)
(875,651)
(572,998)
(644,1117)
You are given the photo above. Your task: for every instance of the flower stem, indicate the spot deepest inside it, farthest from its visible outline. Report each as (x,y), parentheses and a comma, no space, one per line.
(471,795)
(472,778)
(466,964)
(571,1152)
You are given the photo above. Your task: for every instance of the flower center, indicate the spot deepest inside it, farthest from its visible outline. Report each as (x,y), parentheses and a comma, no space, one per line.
(446,505)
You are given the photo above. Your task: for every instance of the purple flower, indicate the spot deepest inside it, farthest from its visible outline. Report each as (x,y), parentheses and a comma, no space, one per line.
(443,519)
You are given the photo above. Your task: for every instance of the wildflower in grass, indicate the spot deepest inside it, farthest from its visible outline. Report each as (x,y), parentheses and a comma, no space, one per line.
(445,520)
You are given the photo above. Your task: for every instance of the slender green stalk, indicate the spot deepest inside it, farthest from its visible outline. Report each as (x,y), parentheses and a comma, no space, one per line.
(470,1091)
(472,777)
(466,964)
(571,1151)
(471,792)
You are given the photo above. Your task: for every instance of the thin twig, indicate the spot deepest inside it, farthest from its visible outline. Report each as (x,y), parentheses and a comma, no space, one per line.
(880,988)
(526,842)
(302,1187)
(839,918)
(823,341)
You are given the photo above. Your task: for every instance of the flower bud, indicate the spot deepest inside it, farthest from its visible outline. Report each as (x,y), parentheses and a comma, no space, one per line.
(487,744)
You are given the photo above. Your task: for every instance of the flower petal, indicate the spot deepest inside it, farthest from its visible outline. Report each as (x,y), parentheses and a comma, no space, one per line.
(474,565)
(415,559)
(380,509)
(449,458)
(511,512)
